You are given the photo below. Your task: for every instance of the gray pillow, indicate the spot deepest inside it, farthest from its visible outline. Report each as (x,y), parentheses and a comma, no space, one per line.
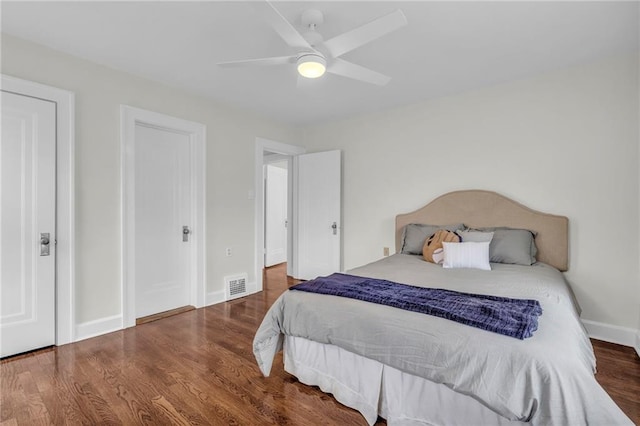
(475,236)
(512,246)
(415,234)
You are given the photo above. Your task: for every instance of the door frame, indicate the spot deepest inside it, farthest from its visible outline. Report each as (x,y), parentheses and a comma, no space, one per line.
(65,197)
(129,118)
(262,146)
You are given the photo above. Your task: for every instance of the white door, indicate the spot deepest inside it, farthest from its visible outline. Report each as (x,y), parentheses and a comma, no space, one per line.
(276,188)
(162,198)
(27,224)
(319,177)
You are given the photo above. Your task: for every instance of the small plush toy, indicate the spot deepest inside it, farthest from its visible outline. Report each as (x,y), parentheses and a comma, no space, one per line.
(432,249)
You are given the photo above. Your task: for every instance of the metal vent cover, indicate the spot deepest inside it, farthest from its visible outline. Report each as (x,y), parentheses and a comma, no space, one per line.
(235,286)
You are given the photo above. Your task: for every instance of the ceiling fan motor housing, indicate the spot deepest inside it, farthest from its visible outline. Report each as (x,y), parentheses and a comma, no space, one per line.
(310,20)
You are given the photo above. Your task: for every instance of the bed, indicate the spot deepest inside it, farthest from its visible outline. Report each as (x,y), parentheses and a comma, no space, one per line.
(412,369)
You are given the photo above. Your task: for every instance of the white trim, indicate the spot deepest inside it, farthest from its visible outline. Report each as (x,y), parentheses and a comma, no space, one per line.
(287,150)
(275,158)
(637,345)
(129,117)
(252,287)
(65,198)
(611,333)
(214,297)
(292,248)
(98,327)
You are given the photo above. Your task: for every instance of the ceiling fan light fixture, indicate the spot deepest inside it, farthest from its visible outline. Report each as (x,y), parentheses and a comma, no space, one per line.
(311,65)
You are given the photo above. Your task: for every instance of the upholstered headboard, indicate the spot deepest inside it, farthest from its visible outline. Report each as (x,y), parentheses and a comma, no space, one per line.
(476,208)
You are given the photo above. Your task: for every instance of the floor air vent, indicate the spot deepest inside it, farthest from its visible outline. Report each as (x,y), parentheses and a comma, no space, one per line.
(235,286)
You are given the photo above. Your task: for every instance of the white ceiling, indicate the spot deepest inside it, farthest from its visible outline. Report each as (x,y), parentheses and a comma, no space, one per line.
(448,47)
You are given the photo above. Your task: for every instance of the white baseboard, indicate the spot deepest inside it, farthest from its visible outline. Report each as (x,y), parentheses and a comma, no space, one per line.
(105,325)
(637,346)
(215,297)
(98,327)
(612,333)
(220,296)
(252,288)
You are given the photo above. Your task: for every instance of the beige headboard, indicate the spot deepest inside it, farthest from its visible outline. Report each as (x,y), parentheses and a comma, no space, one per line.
(476,208)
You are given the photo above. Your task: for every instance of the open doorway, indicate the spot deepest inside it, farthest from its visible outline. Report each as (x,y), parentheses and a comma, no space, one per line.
(271,156)
(276,209)
(314,231)
(276,217)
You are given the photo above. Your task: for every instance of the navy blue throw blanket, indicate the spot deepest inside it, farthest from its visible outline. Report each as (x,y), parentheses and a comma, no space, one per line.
(512,317)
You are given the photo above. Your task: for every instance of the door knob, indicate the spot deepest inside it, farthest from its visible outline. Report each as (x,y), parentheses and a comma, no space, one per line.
(44,244)
(185,233)
(334,226)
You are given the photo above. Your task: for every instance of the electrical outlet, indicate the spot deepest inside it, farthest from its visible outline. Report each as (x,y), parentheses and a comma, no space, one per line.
(228,251)
(385,251)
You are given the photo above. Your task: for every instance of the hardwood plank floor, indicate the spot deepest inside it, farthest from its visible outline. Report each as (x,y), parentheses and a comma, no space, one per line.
(165,314)
(198,368)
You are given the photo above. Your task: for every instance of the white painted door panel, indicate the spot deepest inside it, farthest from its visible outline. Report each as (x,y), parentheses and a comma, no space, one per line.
(276,215)
(319,208)
(162,208)
(27,201)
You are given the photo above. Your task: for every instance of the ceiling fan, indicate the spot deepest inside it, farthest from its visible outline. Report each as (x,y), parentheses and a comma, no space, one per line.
(314,55)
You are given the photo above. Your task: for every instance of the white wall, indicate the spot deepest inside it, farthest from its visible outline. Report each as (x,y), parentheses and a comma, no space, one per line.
(565,142)
(230,161)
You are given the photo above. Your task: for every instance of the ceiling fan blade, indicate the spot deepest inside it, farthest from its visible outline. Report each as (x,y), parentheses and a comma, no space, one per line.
(346,42)
(357,72)
(276,60)
(288,33)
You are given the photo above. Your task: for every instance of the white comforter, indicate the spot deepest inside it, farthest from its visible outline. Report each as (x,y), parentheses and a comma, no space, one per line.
(546,379)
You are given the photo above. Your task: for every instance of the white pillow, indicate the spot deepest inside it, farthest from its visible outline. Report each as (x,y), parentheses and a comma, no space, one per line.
(466,255)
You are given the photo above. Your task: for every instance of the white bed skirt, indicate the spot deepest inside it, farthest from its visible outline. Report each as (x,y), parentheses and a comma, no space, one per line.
(375,389)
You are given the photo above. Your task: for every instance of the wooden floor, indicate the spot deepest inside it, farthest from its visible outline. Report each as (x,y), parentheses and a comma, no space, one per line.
(165,314)
(198,368)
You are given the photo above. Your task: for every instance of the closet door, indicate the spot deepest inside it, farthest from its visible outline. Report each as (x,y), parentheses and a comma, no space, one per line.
(27,224)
